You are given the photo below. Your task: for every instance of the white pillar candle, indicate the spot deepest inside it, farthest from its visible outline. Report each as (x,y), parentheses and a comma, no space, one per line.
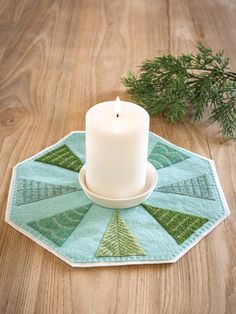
(116,149)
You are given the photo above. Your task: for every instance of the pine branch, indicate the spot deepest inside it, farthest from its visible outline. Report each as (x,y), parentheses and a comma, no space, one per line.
(183,86)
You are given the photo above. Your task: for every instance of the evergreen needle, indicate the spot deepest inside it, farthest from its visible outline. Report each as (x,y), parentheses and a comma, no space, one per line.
(183,86)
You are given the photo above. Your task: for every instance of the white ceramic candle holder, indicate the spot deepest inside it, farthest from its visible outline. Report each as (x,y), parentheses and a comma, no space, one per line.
(152,178)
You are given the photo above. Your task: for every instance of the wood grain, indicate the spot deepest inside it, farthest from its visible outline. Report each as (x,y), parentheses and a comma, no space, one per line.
(58,58)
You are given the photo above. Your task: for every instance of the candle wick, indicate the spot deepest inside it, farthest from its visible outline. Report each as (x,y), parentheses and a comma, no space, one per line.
(117,115)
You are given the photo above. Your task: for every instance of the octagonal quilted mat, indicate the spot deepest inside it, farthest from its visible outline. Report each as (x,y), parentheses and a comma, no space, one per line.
(46,203)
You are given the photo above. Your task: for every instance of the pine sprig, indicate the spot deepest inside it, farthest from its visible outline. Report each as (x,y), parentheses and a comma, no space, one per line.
(184,86)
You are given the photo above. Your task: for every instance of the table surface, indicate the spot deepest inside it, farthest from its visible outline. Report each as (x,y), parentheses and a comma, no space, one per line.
(57,59)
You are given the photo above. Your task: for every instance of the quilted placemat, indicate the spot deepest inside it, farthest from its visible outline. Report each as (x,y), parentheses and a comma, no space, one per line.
(47,204)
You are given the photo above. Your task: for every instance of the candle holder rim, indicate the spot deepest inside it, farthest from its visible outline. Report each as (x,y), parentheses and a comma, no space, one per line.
(152,179)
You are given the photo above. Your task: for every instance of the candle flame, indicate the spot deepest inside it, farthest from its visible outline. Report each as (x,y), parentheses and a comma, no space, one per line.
(117,106)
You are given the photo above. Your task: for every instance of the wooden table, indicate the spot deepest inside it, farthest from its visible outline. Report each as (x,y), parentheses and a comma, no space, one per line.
(58,58)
